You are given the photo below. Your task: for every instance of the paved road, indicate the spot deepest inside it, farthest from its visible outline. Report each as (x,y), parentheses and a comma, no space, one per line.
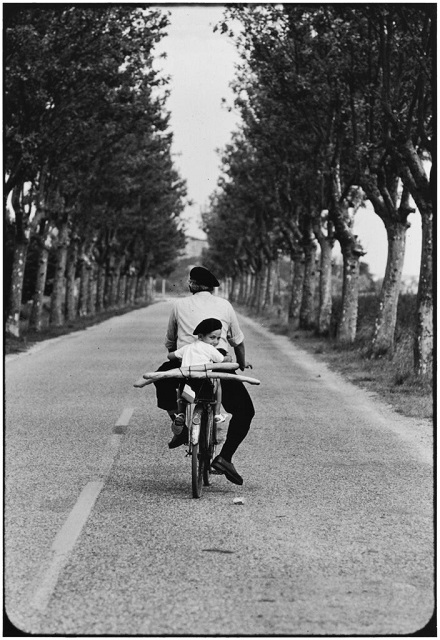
(335,535)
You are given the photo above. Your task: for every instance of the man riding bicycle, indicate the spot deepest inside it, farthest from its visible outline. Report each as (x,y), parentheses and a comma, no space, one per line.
(186,314)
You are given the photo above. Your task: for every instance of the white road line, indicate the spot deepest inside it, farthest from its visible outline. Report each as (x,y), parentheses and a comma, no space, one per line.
(64,543)
(109,455)
(124,418)
(69,533)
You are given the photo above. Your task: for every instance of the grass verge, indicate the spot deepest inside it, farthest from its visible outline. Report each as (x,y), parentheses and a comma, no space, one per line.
(390,377)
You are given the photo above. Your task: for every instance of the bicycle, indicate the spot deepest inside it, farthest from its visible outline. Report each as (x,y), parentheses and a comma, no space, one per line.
(202,437)
(199,415)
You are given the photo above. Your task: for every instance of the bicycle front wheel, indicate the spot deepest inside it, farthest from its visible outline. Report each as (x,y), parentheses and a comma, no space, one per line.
(208,444)
(198,468)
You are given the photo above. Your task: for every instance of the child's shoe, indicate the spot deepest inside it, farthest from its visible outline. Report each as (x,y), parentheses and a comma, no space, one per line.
(219,418)
(178,424)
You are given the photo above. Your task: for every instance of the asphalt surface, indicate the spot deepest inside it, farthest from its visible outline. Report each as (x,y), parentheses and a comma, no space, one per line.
(102,536)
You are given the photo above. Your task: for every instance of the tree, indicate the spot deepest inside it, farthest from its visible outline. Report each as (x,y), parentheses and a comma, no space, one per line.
(80,89)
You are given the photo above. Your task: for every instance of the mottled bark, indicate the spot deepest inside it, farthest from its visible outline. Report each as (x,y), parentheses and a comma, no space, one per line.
(19,262)
(100,288)
(296,289)
(350,295)
(385,324)
(110,286)
(71,298)
(255,288)
(325,286)
(132,289)
(22,235)
(234,295)
(84,272)
(58,291)
(242,292)
(250,288)
(115,281)
(270,285)
(415,179)
(92,288)
(36,319)
(122,290)
(261,288)
(307,310)
(424,342)
(151,284)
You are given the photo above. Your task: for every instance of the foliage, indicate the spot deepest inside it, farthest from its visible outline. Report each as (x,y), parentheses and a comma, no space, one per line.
(86,125)
(336,106)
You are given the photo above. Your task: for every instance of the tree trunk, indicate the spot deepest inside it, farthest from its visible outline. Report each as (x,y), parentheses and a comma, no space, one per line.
(256,277)
(115,282)
(151,283)
(296,289)
(415,179)
(236,286)
(132,283)
(36,319)
(92,289)
(307,309)
(58,292)
(350,295)
(110,284)
(18,265)
(84,286)
(261,288)
(424,342)
(71,299)
(325,286)
(122,290)
(385,324)
(22,235)
(270,285)
(244,283)
(141,288)
(100,288)
(250,289)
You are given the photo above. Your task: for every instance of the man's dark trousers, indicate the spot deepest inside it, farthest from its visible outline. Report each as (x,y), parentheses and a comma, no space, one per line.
(235,399)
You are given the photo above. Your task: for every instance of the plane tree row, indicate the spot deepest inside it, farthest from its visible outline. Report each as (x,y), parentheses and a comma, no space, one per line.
(89,180)
(336,109)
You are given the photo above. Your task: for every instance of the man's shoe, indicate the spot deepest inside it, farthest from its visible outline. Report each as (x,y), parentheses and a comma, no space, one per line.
(223,466)
(177,441)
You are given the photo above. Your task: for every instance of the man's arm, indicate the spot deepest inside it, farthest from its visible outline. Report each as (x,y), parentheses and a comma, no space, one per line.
(171,335)
(240,356)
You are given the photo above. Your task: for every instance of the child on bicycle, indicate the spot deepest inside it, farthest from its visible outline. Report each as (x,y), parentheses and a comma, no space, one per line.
(201,351)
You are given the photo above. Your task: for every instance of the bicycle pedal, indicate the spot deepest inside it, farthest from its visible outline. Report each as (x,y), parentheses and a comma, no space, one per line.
(214,472)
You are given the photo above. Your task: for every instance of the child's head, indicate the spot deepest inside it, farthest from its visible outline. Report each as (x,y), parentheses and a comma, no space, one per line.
(209,331)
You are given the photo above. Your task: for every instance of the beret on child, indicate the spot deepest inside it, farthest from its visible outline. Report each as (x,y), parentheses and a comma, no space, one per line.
(207,326)
(203,276)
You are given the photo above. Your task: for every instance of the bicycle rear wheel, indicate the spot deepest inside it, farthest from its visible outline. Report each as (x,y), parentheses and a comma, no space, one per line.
(208,444)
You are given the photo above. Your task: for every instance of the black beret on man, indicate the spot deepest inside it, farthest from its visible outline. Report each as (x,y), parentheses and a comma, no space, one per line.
(203,276)
(207,326)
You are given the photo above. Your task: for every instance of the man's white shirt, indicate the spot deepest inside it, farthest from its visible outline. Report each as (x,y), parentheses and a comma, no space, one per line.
(188,312)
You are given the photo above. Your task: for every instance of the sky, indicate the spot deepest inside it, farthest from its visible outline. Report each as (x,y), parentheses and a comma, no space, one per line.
(202,65)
